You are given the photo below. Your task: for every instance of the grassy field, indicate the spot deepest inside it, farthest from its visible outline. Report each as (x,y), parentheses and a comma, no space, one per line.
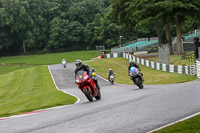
(29,89)
(54,58)
(25,85)
(174,59)
(10,68)
(151,76)
(188,126)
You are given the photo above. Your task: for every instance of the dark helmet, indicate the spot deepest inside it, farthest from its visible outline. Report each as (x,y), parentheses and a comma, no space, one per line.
(93,69)
(78,63)
(130,62)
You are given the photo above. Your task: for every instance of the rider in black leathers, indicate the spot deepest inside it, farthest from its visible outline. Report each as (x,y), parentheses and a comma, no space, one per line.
(85,67)
(133,64)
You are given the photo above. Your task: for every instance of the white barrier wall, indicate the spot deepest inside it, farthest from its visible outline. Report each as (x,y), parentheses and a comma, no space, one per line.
(159,66)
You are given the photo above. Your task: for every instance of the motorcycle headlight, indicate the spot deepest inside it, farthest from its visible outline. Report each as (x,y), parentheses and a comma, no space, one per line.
(86,77)
(77,81)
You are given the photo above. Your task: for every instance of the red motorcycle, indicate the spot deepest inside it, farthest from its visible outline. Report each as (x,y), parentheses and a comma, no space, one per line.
(87,86)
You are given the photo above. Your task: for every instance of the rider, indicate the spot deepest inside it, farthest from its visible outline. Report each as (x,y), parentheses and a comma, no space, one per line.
(84,67)
(110,72)
(63,61)
(133,64)
(93,70)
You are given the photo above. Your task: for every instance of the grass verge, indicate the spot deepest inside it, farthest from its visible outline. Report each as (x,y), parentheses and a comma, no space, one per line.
(151,76)
(54,58)
(174,59)
(191,125)
(29,89)
(10,68)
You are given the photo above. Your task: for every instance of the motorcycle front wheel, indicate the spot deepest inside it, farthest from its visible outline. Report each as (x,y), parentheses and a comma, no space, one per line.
(138,82)
(88,94)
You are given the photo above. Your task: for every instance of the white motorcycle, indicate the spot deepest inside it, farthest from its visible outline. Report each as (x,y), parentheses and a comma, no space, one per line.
(64,63)
(112,79)
(136,77)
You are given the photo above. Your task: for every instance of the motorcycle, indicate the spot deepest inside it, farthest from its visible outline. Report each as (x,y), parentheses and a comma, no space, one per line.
(136,76)
(112,78)
(64,63)
(87,86)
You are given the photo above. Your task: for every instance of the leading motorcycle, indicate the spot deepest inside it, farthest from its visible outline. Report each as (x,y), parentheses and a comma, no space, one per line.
(87,86)
(64,63)
(136,76)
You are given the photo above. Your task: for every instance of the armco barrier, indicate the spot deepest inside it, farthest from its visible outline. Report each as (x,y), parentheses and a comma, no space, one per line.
(158,66)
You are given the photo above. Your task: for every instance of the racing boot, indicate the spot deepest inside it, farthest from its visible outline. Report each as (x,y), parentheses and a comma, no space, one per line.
(98,87)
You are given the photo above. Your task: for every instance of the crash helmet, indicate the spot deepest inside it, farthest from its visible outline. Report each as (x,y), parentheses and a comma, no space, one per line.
(93,69)
(78,63)
(130,62)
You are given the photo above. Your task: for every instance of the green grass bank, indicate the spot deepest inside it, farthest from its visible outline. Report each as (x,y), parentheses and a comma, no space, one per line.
(151,76)
(44,59)
(29,89)
(191,125)
(174,59)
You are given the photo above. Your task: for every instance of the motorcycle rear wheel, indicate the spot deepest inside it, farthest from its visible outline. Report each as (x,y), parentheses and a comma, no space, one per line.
(88,94)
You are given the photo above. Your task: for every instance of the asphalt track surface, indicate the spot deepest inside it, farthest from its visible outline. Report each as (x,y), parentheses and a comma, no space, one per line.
(122,109)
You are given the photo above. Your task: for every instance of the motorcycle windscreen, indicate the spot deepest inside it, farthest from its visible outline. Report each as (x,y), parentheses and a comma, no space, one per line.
(80,75)
(112,76)
(133,71)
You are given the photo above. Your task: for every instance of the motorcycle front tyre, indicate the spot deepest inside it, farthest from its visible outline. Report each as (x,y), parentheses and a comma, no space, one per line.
(139,83)
(88,94)
(112,82)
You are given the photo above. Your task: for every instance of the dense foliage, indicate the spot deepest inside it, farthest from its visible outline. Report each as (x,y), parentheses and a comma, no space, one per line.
(33,26)
(158,14)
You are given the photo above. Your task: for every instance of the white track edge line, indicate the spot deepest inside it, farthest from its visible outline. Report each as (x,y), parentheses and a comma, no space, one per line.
(188,117)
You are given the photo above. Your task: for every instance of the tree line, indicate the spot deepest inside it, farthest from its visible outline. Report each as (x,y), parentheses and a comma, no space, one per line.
(34,26)
(171,15)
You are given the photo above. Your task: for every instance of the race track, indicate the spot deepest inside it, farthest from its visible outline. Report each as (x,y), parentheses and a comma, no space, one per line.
(122,109)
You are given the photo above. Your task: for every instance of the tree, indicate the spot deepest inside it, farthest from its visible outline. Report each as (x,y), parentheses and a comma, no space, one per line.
(138,14)
(24,19)
(184,8)
(147,12)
